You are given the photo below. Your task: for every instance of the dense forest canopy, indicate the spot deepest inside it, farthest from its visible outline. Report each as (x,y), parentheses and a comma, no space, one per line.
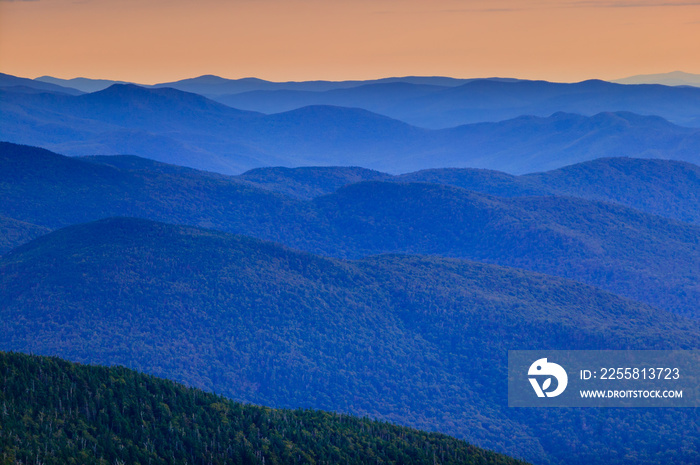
(56,412)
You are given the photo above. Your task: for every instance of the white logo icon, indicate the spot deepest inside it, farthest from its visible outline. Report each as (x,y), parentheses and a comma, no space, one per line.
(544,368)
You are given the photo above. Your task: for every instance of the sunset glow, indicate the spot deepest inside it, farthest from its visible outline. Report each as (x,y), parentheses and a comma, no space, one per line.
(152,41)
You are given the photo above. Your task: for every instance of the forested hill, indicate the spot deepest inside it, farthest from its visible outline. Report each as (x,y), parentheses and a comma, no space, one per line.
(420,341)
(640,256)
(56,412)
(661,187)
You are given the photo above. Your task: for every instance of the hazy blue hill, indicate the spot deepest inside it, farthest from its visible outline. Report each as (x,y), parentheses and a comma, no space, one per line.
(529,143)
(642,256)
(187,129)
(663,187)
(134,163)
(113,415)
(135,106)
(307,183)
(163,124)
(203,85)
(634,254)
(215,86)
(81,84)
(196,125)
(478,180)
(378,98)
(419,341)
(7,80)
(328,135)
(29,118)
(271,101)
(41,187)
(14,233)
(482,100)
(299,183)
(674,78)
(44,188)
(491,100)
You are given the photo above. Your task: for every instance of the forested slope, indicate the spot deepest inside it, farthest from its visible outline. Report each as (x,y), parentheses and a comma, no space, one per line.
(56,412)
(415,340)
(619,249)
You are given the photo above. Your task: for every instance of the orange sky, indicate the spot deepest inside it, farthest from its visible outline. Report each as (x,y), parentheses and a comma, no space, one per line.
(150,41)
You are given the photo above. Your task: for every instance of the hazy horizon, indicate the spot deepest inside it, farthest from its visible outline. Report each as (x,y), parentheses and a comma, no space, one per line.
(156,41)
(281,81)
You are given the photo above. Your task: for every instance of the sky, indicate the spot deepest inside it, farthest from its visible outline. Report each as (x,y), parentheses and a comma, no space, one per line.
(150,41)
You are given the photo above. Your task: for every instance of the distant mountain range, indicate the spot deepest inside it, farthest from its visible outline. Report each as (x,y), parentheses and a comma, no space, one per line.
(211,85)
(84,85)
(414,340)
(675,78)
(110,414)
(438,103)
(25,85)
(187,129)
(485,100)
(638,255)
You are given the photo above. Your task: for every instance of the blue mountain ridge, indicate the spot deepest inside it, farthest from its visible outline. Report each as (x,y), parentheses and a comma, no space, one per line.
(186,129)
(635,254)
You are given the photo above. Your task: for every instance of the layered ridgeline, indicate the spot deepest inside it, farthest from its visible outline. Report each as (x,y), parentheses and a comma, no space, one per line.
(440,102)
(413,340)
(438,106)
(638,255)
(187,129)
(660,187)
(56,412)
(19,84)
(210,85)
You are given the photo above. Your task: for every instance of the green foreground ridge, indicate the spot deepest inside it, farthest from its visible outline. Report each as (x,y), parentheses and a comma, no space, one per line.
(53,411)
